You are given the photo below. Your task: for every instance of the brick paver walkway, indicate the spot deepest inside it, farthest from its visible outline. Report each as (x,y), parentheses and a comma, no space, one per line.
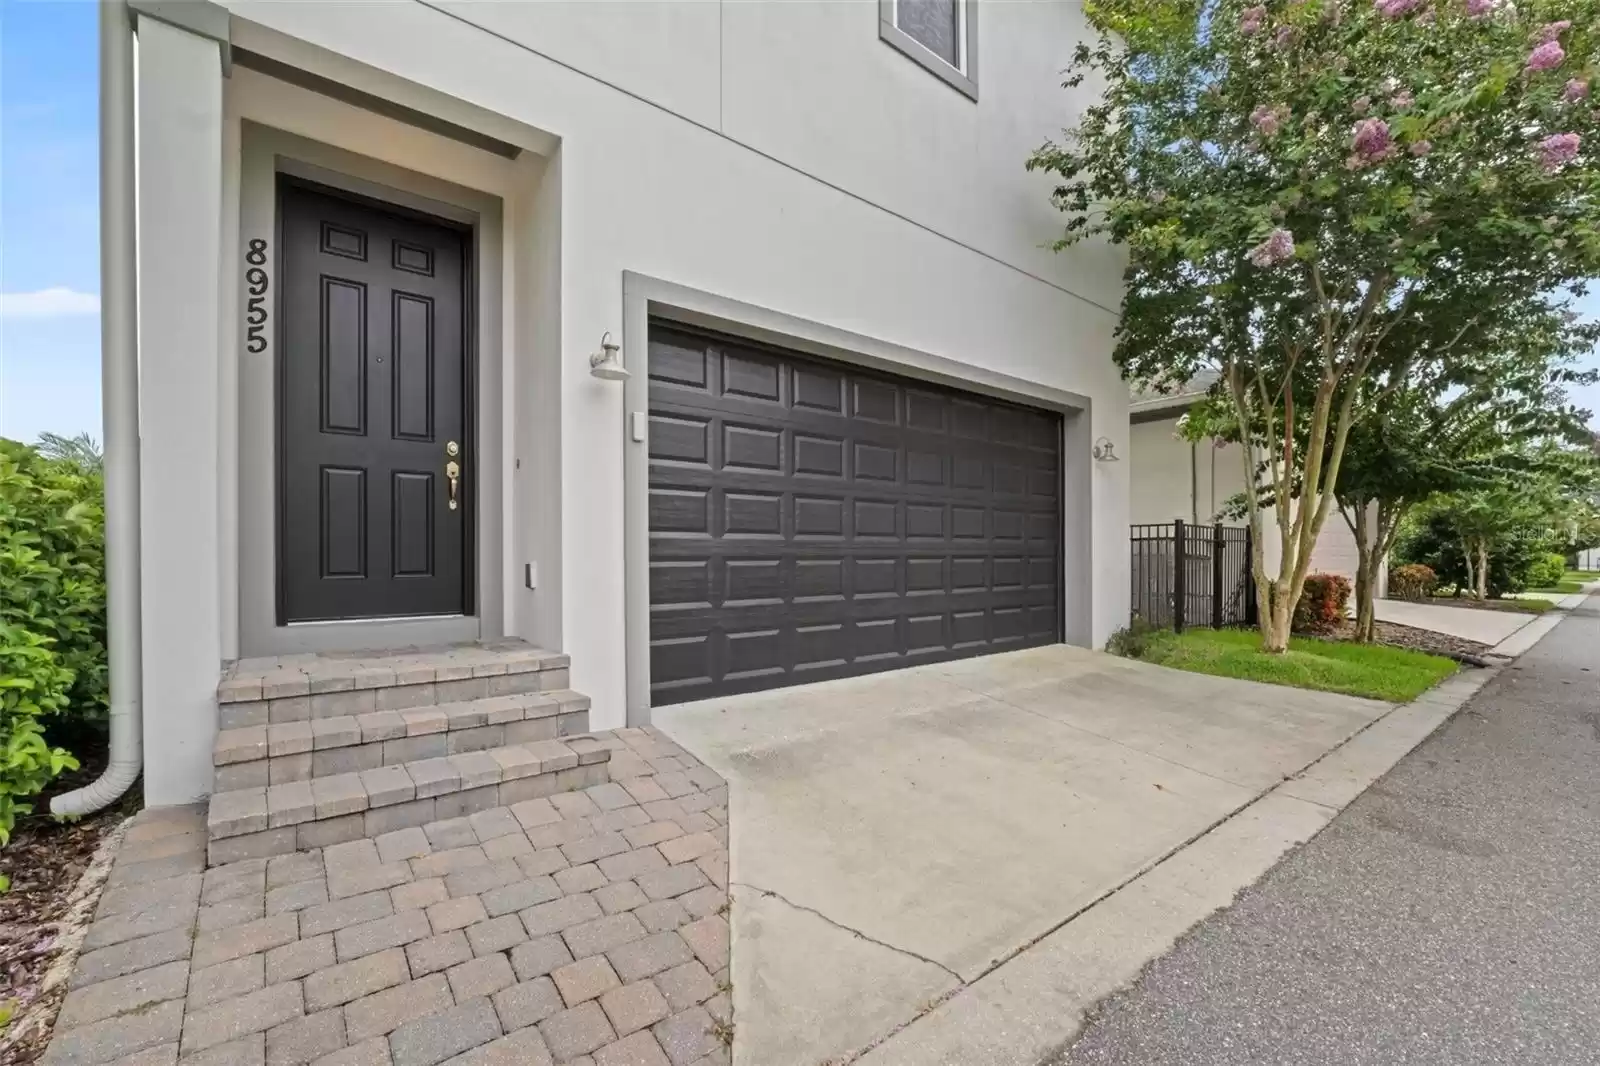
(586,928)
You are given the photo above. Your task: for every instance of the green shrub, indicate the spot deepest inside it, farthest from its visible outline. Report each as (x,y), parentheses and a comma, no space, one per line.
(52,564)
(1322,603)
(1133,640)
(1413,581)
(1547,570)
(32,684)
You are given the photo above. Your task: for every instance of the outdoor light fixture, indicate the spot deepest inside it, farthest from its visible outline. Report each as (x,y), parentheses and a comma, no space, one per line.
(1103,451)
(604,364)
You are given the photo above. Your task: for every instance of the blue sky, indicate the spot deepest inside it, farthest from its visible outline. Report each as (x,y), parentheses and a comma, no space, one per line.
(49,343)
(49,268)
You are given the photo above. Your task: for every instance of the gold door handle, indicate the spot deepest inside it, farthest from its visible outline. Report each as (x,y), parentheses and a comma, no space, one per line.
(452,470)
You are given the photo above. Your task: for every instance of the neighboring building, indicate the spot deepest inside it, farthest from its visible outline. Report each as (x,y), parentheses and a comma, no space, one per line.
(379,243)
(1173,478)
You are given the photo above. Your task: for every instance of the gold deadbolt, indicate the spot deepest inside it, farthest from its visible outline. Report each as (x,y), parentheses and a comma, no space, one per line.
(452,449)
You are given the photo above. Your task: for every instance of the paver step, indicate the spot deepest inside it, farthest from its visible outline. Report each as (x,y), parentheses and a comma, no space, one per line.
(290,688)
(283,752)
(277,819)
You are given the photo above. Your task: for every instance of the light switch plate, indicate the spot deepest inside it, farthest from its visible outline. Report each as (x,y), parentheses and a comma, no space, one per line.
(638,423)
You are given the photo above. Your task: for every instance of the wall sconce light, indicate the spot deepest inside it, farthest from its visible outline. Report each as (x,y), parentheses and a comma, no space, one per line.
(1103,451)
(604,364)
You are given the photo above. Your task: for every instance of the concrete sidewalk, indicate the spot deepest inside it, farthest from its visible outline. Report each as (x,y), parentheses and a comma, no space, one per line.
(944,864)
(1468,623)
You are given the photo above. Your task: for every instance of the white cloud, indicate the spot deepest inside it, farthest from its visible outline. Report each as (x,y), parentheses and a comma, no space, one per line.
(48,303)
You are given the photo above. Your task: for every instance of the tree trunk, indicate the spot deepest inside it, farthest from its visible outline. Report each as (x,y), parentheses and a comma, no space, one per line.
(1366,587)
(1472,580)
(1276,624)
(1483,569)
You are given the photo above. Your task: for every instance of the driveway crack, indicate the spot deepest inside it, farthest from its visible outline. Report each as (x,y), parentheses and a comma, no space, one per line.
(960,982)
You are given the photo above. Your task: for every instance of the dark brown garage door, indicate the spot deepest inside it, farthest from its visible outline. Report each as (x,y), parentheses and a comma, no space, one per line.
(809,520)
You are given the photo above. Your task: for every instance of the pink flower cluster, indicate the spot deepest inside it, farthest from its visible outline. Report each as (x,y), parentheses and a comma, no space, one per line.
(1549,53)
(1547,56)
(1269,120)
(1557,150)
(1478,9)
(1393,9)
(1402,100)
(1370,142)
(1250,20)
(1277,248)
(1576,89)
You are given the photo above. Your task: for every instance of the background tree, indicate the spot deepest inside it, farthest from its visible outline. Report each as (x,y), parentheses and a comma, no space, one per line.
(1293,180)
(82,450)
(1458,422)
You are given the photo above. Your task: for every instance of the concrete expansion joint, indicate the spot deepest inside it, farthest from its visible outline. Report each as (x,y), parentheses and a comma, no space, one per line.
(845,928)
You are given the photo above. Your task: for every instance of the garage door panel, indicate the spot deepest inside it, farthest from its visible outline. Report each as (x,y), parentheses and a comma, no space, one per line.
(809,520)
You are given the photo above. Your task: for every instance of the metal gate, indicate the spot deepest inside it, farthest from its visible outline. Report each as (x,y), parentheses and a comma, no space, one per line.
(1188,575)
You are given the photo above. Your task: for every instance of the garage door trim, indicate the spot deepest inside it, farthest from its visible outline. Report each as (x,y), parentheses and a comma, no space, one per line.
(645,297)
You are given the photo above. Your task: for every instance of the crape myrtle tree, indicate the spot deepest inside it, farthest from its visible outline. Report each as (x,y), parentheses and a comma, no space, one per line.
(1468,420)
(1293,180)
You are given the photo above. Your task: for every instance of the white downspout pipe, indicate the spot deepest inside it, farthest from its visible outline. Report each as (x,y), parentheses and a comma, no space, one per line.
(119,369)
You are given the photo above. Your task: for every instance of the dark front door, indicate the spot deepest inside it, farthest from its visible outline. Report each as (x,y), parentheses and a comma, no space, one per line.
(372,417)
(811,520)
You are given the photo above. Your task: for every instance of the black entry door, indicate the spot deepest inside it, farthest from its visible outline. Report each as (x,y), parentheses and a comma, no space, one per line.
(372,416)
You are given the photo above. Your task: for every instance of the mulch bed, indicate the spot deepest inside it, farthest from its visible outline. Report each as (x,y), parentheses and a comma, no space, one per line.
(44,861)
(1425,640)
(1514,606)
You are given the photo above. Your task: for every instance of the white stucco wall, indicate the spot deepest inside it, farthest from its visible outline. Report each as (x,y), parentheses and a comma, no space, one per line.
(775,154)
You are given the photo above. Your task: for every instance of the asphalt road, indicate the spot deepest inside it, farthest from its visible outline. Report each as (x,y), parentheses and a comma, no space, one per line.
(1450,915)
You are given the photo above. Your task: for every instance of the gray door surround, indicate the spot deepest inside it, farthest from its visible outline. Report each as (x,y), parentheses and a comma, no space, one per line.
(646,298)
(266,153)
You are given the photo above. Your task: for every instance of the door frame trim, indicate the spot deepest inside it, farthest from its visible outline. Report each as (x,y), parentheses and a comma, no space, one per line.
(645,297)
(469,398)
(266,155)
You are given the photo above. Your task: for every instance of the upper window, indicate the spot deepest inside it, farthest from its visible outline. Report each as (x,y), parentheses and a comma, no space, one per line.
(942,35)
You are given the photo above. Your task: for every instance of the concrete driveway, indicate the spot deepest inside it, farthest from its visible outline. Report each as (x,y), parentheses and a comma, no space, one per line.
(896,837)
(1468,623)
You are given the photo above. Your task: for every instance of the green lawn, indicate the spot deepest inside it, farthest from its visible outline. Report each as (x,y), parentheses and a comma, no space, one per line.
(1564,586)
(1377,671)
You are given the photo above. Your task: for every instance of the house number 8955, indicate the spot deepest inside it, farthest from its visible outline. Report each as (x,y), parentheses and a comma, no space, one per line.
(255,279)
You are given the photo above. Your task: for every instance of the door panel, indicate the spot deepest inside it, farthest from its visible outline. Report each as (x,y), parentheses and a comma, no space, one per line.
(373,364)
(809,520)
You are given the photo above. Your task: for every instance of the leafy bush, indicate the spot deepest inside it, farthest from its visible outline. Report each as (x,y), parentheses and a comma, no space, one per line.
(52,564)
(1322,604)
(1547,570)
(32,684)
(1133,640)
(1413,581)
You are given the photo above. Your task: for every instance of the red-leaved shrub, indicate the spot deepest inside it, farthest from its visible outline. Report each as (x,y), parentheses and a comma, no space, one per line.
(1322,603)
(1412,581)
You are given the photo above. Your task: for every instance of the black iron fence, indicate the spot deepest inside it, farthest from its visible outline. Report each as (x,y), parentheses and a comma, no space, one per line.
(1189,575)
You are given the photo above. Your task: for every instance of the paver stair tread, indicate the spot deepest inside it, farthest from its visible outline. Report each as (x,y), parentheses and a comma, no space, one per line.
(286,676)
(249,743)
(251,810)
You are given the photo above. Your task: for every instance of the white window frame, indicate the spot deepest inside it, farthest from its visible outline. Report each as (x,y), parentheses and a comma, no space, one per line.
(962,78)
